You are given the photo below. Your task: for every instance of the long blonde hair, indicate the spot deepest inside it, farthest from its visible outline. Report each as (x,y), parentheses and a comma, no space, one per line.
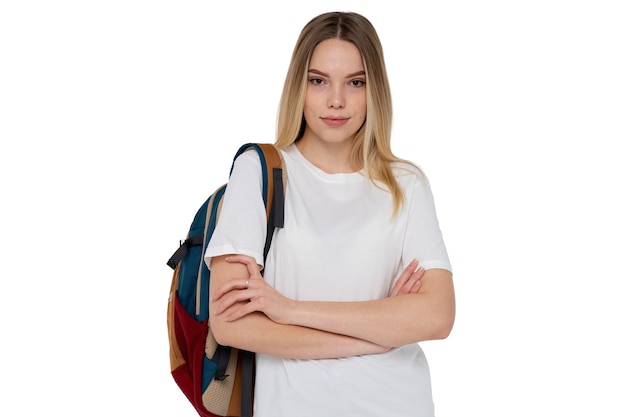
(371,150)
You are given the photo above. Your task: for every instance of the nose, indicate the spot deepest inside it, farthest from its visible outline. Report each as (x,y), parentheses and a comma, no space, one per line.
(336,99)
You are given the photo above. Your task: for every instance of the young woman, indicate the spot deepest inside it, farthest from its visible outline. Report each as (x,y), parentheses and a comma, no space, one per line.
(343,302)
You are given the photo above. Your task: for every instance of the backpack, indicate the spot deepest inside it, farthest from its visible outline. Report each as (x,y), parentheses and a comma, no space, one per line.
(217,380)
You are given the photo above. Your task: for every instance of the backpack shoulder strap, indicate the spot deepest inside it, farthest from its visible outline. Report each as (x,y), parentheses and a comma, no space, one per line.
(274,182)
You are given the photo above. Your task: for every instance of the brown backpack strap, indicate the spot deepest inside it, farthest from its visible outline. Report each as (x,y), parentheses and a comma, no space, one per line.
(275,166)
(276,184)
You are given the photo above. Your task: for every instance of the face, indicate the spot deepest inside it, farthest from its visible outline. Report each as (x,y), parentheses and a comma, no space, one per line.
(336,103)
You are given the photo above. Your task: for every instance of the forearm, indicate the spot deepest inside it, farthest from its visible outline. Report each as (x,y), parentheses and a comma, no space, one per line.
(257,333)
(293,328)
(392,321)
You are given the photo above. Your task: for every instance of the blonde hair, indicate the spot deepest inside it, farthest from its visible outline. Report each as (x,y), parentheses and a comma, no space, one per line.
(371,150)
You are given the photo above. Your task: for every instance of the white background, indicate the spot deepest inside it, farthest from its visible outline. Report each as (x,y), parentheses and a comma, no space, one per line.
(118,118)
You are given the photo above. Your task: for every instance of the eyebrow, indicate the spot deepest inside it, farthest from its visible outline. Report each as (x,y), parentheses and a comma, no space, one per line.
(354,74)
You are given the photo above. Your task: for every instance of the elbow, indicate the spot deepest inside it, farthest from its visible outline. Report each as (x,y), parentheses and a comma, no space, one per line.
(442,330)
(439,326)
(220,333)
(241,333)
(442,327)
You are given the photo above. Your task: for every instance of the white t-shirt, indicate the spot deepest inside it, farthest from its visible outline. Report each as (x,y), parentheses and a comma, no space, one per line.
(340,243)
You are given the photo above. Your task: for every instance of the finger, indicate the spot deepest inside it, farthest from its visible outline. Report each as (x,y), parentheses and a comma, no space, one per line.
(233,297)
(415,282)
(250,263)
(419,272)
(404,277)
(244,310)
(233,284)
(408,287)
(416,287)
(243,259)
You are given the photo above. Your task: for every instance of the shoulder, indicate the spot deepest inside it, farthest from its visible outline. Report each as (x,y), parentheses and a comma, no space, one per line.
(246,171)
(407,172)
(248,158)
(414,183)
(247,164)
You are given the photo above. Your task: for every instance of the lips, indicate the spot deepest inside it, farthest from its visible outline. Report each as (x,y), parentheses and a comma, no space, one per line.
(335,121)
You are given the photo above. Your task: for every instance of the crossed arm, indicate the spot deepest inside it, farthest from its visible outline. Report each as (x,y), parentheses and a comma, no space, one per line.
(249,314)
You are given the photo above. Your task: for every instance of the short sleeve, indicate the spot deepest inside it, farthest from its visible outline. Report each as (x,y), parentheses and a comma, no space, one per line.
(424,240)
(241,227)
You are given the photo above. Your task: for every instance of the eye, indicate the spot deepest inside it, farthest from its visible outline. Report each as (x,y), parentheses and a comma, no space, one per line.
(316,81)
(357,83)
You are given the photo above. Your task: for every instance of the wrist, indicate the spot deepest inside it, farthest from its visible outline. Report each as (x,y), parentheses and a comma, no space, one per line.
(297,313)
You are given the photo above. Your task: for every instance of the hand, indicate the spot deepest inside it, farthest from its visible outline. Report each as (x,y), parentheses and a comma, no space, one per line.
(410,281)
(252,294)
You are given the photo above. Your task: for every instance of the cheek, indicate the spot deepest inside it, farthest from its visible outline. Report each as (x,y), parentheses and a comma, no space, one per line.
(307,113)
(313,106)
(362,108)
(359,101)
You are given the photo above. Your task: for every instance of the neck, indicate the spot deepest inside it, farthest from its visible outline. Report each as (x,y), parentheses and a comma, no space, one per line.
(332,158)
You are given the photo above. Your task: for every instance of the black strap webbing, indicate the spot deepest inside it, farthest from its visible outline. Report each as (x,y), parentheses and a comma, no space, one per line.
(183,249)
(221,357)
(277,212)
(247,382)
(278,199)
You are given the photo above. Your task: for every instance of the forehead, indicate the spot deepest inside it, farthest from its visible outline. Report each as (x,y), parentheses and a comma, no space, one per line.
(336,54)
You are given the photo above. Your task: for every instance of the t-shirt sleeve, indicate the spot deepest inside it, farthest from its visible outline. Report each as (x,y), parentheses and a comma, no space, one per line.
(423,240)
(241,226)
